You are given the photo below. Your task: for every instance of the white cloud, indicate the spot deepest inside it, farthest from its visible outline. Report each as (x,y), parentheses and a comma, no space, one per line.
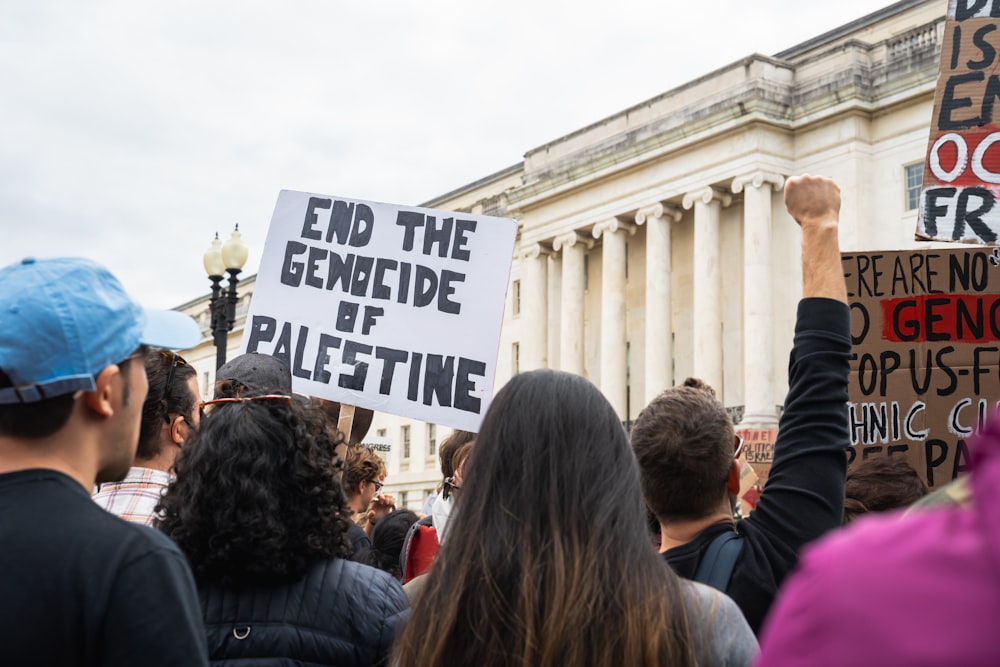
(131,132)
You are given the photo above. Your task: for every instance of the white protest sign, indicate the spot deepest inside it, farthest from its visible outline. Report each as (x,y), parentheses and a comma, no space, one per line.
(379,444)
(393,308)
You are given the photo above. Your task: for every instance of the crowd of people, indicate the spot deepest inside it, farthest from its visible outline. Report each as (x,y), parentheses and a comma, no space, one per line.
(143,524)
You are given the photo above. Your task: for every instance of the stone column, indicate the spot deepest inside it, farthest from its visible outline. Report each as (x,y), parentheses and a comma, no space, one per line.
(707,203)
(659,343)
(555,298)
(534,306)
(572,246)
(758,301)
(613,338)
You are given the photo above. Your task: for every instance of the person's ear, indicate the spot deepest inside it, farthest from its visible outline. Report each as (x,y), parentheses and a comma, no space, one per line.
(178,430)
(733,482)
(100,399)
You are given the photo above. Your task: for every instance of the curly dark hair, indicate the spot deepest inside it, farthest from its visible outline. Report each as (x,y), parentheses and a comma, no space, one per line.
(256,499)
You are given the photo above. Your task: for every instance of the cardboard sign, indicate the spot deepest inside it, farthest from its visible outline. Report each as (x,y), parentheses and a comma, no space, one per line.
(958,201)
(925,363)
(392,308)
(758,448)
(749,486)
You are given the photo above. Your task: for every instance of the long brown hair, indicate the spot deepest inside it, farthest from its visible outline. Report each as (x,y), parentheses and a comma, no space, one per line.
(549,561)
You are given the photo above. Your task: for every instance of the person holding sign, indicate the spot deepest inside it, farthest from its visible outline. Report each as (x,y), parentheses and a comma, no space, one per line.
(687,448)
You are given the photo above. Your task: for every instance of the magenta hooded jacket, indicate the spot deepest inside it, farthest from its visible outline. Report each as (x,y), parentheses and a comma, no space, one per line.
(923,589)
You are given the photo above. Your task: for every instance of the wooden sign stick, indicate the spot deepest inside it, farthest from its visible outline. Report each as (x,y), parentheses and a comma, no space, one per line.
(346,421)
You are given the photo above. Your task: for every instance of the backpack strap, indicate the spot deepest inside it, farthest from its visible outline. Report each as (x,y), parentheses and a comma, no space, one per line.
(716,566)
(419,548)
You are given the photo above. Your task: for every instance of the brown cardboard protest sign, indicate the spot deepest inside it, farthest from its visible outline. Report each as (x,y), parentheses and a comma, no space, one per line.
(758,448)
(925,366)
(958,200)
(749,486)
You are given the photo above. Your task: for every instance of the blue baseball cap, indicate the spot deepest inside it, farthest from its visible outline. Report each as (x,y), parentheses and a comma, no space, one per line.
(63,320)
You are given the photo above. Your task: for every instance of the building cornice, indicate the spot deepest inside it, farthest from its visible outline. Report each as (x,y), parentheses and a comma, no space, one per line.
(771,92)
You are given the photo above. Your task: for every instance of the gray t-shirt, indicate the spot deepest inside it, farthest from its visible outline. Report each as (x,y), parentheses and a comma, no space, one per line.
(720,631)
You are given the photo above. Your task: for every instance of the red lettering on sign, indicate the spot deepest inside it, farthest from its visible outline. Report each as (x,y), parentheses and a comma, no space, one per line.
(964,318)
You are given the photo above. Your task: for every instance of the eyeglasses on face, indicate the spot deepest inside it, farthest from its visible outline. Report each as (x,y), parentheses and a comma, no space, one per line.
(450,487)
(378,486)
(246,399)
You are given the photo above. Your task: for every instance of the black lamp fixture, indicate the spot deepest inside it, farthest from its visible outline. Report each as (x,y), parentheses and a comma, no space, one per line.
(220,258)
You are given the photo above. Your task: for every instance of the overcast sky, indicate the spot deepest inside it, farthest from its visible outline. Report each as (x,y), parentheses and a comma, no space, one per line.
(131,131)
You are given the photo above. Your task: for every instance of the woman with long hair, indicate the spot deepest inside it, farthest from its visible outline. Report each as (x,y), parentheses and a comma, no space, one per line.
(259,511)
(548,560)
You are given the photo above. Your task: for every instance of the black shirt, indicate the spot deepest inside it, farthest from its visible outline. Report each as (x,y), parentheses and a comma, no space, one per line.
(358,538)
(804,494)
(79,586)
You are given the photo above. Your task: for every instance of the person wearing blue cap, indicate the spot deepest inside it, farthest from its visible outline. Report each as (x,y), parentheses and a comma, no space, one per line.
(80,586)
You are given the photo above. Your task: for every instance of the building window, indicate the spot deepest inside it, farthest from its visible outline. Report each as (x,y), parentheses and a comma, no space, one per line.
(515,358)
(403,498)
(914,181)
(404,437)
(515,293)
(431,440)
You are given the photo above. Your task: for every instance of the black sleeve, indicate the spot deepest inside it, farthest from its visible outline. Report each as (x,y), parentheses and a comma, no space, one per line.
(804,494)
(154,617)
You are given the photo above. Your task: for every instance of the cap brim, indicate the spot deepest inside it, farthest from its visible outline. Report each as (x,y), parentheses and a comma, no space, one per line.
(170,329)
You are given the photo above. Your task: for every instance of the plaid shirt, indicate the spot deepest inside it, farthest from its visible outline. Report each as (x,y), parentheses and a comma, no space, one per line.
(134,498)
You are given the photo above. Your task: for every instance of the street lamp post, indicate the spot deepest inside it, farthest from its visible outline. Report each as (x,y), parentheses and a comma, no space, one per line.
(219,259)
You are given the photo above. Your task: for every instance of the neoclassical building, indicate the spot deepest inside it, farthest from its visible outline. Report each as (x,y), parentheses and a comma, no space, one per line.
(653,245)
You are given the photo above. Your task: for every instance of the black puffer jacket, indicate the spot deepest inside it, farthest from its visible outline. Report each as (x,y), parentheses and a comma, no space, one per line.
(341,613)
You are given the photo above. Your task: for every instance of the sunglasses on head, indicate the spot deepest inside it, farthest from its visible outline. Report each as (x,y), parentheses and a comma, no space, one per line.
(246,399)
(175,361)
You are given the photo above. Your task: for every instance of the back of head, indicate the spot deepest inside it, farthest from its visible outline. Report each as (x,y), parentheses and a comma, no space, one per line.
(169,395)
(387,542)
(551,564)
(879,485)
(254,373)
(684,442)
(256,499)
(448,448)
